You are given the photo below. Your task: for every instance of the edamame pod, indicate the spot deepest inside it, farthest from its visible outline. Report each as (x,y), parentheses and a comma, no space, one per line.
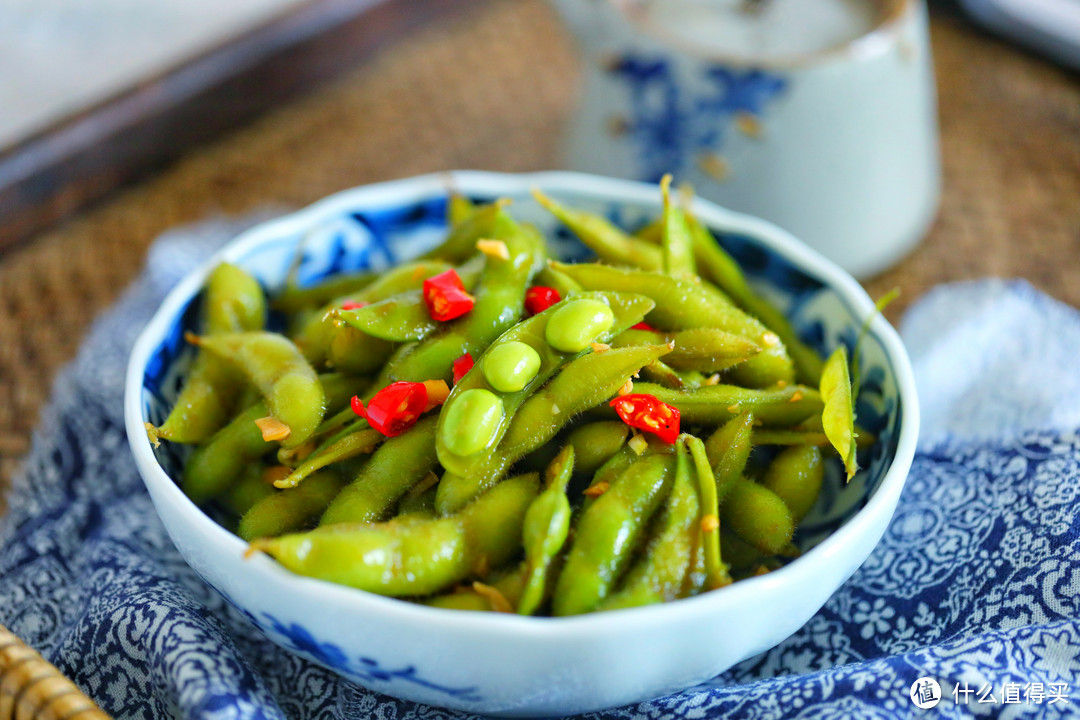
(609,242)
(838,415)
(460,243)
(288,384)
(607,533)
(249,488)
(550,277)
(682,304)
(660,574)
(728,450)
(399,318)
(627,309)
(547,524)
(402,318)
(796,475)
(767,436)
(716,404)
(705,350)
(315,336)
(458,209)
(361,442)
(582,384)
(290,510)
(595,443)
(212,468)
(421,504)
(233,302)
(716,572)
(396,466)
(739,554)
(412,556)
(675,240)
(295,299)
(758,516)
(661,373)
(338,388)
(499,593)
(717,266)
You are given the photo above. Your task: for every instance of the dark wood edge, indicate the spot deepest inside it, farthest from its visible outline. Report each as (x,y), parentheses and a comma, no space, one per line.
(78,160)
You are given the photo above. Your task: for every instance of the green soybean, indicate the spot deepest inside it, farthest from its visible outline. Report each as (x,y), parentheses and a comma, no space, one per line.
(578,323)
(627,309)
(472,421)
(510,366)
(682,303)
(583,383)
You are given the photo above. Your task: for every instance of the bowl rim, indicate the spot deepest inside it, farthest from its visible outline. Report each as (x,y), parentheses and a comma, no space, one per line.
(556,629)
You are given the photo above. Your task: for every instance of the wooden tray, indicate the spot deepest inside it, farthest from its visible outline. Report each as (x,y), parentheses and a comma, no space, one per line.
(82,157)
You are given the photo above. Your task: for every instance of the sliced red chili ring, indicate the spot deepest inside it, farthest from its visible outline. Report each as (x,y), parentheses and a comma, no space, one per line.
(646,412)
(461,366)
(445,296)
(540,297)
(353,304)
(643,326)
(395,408)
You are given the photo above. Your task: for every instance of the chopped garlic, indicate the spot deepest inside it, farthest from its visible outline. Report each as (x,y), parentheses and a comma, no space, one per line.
(596,490)
(273,429)
(493,248)
(710,523)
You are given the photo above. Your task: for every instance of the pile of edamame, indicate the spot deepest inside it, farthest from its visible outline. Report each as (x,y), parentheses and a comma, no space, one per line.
(488,428)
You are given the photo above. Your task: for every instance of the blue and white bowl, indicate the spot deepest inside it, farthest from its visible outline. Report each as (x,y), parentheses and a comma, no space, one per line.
(504,664)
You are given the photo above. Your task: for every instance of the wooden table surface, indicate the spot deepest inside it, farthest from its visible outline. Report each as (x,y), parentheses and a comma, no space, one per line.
(491,90)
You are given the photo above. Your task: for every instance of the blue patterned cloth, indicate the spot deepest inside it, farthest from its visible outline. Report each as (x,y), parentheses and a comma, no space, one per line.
(976,584)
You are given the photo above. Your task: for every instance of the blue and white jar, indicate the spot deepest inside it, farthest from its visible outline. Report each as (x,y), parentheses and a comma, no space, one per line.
(818,115)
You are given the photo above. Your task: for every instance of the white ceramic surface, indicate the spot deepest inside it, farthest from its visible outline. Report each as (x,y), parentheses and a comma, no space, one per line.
(509,665)
(839,147)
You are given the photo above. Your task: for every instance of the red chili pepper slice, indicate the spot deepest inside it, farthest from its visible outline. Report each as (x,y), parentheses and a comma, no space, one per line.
(461,366)
(540,297)
(647,413)
(353,304)
(643,326)
(395,408)
(446,297)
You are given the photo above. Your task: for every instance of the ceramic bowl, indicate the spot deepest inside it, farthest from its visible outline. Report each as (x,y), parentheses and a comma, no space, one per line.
(504,664)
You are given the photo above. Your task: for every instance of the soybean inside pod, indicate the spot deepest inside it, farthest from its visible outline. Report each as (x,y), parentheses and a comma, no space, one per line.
(478,412)
(393,437)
